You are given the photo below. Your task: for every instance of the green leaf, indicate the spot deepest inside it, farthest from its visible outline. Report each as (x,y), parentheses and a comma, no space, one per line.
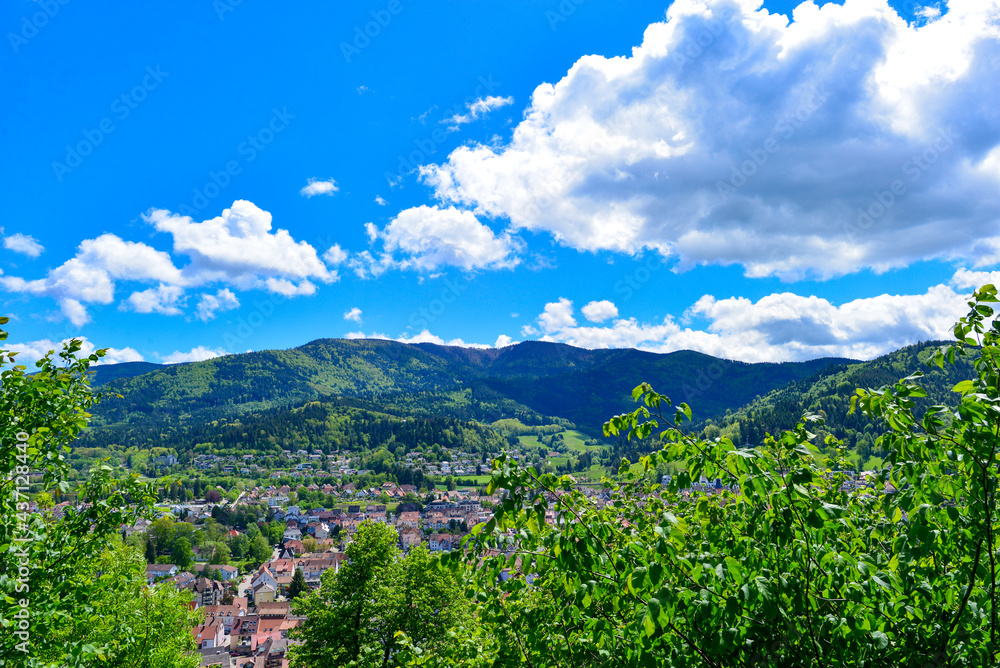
(648,625)
(655,573)
(735,570)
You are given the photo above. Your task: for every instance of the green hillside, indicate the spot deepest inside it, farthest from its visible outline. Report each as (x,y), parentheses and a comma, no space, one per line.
(532,381)
(828,393)
(368,396)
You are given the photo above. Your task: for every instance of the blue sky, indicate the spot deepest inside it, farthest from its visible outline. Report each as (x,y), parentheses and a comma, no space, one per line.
(187,179)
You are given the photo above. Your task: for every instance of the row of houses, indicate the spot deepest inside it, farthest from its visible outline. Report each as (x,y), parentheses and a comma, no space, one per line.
(246,635)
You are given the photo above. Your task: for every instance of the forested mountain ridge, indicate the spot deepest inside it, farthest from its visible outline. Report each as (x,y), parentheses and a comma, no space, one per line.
(828,393)
(356,396)
(528,380)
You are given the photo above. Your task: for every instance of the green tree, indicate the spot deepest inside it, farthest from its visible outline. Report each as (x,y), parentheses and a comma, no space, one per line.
(240,546)
(298,586)
(260,550)
(220,555)
(46,563)
(275,532)
(150,550)
(136,625)
(358,611)
(790,566)
(182,554)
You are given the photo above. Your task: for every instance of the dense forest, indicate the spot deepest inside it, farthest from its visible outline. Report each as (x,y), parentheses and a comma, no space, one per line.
(377,400)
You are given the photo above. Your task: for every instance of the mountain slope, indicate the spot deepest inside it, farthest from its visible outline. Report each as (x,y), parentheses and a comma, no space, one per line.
(530,380)
(829,392)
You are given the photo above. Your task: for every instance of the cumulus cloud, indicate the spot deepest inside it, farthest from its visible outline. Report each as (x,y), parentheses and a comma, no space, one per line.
(25,244)
(196,354)
(319,187)
(503,341)
(353,314)
(165,299)
(366,265)
(89,277)
(557,316)
(600,311)
(30,352)
(779,327)
(842,140)
(237,249)
(423,337)
(477,109)
(430,237)
(380,201)
(209,305)
(335,255)
(240,248)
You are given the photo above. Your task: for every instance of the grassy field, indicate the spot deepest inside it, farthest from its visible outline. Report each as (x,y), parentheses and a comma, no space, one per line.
(575,443)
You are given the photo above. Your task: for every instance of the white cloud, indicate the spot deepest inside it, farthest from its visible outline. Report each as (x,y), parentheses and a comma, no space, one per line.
(503,341)
(824,113)
(353,314)
(89,277)
(319,187)
(928,12)
(283,286)
(25,244)
(600,311)
(964,278)
(165,299)
(423,337)
(366,265)
(478,109)
(380,201)
(556,316)
(779,327)
(431,237)
(335,255)
(196,354)
(209,305)
(74,311)
(239,248)
(31,351)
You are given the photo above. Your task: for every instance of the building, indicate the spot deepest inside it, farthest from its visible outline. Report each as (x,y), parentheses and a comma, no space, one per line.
(156,572)
(208,635)
(207,592)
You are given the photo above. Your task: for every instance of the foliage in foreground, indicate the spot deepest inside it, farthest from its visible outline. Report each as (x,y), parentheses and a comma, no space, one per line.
(356,613)
(65,599)
(792,568)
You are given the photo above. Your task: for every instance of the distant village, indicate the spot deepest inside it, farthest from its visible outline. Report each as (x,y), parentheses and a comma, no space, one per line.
(247,617)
